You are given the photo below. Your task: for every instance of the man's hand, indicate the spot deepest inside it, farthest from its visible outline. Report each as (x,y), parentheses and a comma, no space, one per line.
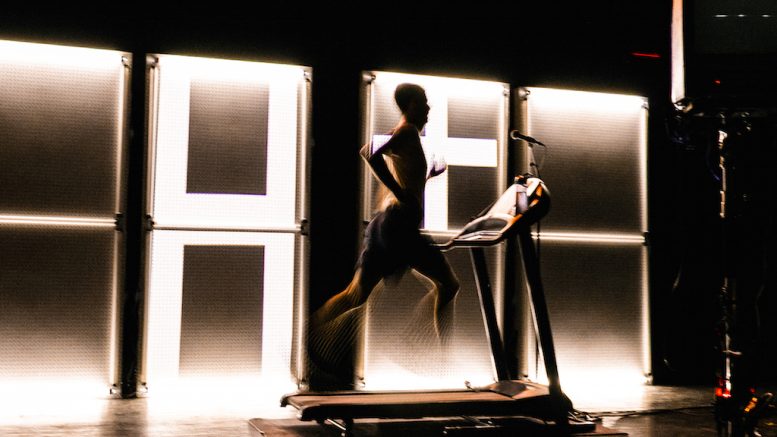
(437,166)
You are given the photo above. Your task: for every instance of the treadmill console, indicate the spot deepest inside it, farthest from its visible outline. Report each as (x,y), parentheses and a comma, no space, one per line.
(523,203)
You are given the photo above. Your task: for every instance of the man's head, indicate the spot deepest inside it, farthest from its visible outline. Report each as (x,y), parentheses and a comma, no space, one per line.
(411,100)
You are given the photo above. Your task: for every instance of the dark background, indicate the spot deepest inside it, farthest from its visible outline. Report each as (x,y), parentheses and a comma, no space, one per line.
(586,45)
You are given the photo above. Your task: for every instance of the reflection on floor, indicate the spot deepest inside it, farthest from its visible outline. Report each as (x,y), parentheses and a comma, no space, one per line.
(676,411)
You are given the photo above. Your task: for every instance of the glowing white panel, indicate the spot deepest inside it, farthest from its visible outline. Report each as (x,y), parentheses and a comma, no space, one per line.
(62,281)
(599,315)
(62,118)
(62,115)
(164,307)
(595,162)
(594,258)
(172,205)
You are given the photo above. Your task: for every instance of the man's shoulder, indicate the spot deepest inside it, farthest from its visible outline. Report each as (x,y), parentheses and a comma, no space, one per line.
(405,131)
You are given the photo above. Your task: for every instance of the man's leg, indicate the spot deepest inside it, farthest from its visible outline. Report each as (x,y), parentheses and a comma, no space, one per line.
(355,294)
(334,335)
(432,264)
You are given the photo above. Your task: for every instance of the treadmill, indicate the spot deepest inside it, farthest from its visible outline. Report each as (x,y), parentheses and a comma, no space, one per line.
(520,206)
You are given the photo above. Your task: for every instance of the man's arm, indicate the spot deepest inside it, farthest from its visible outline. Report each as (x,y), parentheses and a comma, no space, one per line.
(380,169)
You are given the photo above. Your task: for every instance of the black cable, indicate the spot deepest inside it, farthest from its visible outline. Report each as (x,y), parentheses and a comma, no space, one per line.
(541,161)
(597,416)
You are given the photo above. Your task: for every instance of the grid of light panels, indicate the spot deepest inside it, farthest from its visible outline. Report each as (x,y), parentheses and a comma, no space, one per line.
(269,215)
(62,114)
(467,127)
(228,200)
(595,167)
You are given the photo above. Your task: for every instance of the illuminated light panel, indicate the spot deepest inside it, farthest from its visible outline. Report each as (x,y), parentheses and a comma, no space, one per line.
(164,306)
(173,206)
(471,152)
(57,221)
(59,56)
(26,66)
(590,237)
(609,377)
(568,109)
(595,373)
(591,102)
(52,398)
(678,52)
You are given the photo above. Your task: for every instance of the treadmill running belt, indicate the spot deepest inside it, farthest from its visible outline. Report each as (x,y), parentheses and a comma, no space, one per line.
(405,405)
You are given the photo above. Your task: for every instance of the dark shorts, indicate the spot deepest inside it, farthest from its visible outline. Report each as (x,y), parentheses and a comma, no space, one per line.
(393,243)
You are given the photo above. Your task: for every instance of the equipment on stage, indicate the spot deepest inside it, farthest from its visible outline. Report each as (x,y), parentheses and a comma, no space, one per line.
(737,131)
(520,206)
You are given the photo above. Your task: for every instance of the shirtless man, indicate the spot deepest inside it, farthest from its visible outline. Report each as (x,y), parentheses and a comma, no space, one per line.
(392,241)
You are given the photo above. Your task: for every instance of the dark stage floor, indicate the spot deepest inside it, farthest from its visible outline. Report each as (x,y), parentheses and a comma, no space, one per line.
(675,411)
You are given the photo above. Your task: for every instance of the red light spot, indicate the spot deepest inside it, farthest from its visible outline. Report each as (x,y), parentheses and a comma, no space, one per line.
(646,55)
(716,81)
